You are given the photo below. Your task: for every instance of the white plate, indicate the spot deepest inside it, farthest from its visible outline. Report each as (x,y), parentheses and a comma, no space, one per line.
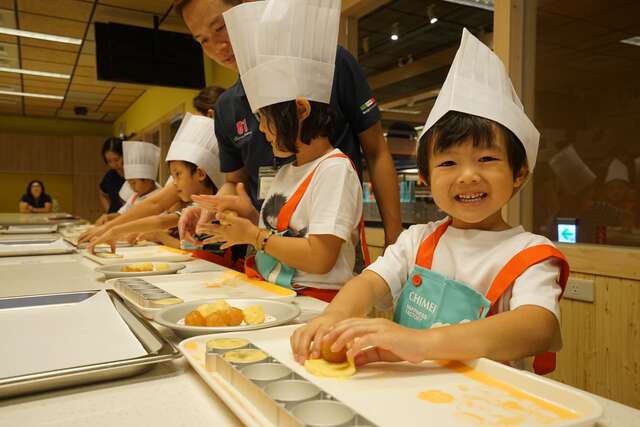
(276,313)
(115,270)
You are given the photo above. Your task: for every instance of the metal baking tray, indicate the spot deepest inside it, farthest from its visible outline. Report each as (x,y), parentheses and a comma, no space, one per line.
(157,347)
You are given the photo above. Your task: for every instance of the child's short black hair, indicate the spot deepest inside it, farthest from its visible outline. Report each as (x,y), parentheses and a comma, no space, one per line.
(283,117)
(454,127)
(192,169)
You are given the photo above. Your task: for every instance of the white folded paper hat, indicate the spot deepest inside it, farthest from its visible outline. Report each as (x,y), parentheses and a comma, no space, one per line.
(617,170)
(196,142)
(141,160)
(285,49)
(478,84)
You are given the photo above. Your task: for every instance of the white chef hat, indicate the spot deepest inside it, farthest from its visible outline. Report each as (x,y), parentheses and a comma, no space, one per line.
(617,170)
(196,142)
(285,49)
(478,84)
(141,160)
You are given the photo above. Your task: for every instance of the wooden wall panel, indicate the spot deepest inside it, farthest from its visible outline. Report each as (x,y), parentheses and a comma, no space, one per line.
(88,170)
(601,352)
(41,154)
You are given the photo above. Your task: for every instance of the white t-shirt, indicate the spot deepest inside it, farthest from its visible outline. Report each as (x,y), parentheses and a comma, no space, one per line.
(332,204)
(475,257)
(133,199)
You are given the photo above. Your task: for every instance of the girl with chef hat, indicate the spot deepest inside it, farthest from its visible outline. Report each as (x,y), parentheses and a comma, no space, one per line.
(470,285)
(309,226)
(193,162)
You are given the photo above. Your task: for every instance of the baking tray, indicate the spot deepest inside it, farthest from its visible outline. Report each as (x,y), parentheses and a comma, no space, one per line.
(454,394)
(134,254)
(158,349)
(224,283)
(26,247)
(29,229)
(35,218)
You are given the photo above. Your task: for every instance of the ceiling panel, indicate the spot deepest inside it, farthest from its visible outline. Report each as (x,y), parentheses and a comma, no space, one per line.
(6,4)
(100,90)
(153,6)
(70,114)
(40,112)
(51,25)
(42,103)
(38,53)
(47,66)
(53,47)
(45,82)
(44,90)
(68,9)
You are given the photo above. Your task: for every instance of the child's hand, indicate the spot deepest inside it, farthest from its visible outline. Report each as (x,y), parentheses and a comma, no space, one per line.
(190,220)
(377,340)
(109,237)
(237,231)
(240,203)
(306,341)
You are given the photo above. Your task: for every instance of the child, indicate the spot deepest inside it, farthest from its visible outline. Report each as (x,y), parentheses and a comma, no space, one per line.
(141,161)
(477,151)
(307,230)
(192,161)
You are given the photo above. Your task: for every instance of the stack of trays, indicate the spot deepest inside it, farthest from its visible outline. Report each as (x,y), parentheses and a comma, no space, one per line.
(283,397)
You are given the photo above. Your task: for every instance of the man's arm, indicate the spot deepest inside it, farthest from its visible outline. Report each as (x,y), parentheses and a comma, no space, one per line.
(384,179)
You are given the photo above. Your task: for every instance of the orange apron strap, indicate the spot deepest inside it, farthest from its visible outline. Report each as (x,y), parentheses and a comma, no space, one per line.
(363,243)
(284,217)
(424,258)
(520,263)
(543,363)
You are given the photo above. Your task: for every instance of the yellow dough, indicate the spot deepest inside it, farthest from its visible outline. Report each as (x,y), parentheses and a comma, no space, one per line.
(228,213)
(245,355)
(226,343)
(207,309)
(322,368)
(253,315)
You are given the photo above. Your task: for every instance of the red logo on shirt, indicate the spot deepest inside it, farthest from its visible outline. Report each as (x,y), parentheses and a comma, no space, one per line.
(241,127)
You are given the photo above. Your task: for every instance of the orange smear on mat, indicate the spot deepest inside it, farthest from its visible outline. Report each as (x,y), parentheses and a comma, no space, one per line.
(191,346)
(485,379)
(435,396)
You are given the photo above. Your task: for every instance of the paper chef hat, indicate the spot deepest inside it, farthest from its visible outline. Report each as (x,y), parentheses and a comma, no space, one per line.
(196,142)
(141,160)
(285,49)
(617,170)
(478,84)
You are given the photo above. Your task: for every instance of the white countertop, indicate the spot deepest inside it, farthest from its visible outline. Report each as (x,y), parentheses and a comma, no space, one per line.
(171,394)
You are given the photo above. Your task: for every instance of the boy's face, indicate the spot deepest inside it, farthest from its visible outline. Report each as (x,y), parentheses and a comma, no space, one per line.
(472,184)
(186,182)
(141,186)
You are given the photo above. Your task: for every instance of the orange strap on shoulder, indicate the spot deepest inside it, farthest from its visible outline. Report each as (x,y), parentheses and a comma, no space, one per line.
(520,263)
(424,258)
(284,217)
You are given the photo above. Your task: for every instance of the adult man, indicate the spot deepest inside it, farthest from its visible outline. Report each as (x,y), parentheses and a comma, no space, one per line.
(243,148)
(245,155)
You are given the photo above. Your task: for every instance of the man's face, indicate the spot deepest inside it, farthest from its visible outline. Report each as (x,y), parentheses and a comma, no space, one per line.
(204,20)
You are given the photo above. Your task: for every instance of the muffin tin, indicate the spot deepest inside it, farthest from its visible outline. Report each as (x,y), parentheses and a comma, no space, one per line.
(280,395)
(143,293)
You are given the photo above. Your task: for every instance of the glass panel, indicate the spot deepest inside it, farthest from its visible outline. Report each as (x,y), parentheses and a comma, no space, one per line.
(588,111)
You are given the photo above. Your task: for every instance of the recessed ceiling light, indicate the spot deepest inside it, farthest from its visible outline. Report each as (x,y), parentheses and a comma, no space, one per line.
(40,36)
(394,37)
(35,73)
(482,4)
(31,95)
(632,40)
(433,20)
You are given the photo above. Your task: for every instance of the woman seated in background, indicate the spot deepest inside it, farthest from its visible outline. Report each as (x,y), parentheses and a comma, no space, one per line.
(35,200)
(113,180)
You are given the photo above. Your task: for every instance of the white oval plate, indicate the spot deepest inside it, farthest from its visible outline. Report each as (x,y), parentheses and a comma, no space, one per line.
(276,313)
(112,271)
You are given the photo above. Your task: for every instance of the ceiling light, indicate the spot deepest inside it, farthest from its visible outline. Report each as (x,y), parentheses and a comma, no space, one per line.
(433,20)
(432,14)
(395,31)
(40,36)
(635,41)
(30,95)
(35,73)
(481,4)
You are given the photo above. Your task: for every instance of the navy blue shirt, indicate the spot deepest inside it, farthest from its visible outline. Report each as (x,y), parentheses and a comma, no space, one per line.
(241,143)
